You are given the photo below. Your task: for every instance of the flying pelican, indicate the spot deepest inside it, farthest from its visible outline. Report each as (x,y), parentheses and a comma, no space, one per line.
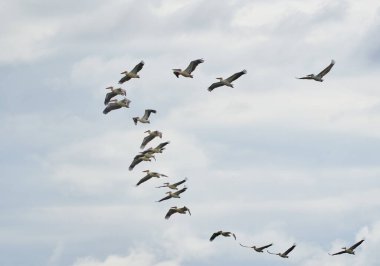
(285,254)
(145,118)
(113,93)
(226,234)
(174,209)
(150,137)
(149,175)
(349,250)
(174,185)
(257,249)
(227,81)
(115,104)
(132,74)
(173,195)
(140,158)
(190,68)
(321,74)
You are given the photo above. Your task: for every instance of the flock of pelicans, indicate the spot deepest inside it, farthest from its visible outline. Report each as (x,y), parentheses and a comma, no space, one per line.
(149,154)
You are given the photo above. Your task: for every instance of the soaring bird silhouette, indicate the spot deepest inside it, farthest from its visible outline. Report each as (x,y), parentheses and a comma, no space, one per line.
(349,250)
(222,233)
(190,68)
(149,175)
(115,104)
(174,185)
(285,254)
(145,118)
(150,137)
(227,81)
(132,74)
(173,194)
(321,74)
(113,93)
(257,249)
(174,209)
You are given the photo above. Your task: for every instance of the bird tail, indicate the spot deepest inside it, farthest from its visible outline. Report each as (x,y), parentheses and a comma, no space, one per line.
(135,120)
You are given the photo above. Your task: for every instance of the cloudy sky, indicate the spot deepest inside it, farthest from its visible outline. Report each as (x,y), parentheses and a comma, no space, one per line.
(275,159)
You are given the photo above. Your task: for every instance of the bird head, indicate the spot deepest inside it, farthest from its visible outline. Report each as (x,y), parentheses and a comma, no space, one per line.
(124,72)
(220,79)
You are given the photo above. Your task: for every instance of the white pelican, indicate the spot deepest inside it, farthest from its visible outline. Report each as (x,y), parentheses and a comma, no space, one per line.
(285,254)
(149,175)
(115,104)
(132,74)
(226,234)
(140,158)
(174,185)
(145,118)
(173,195)
(227,81)
(349,250)
(257,249)
(150,137)
(321,74)
(190,68)
(113,93)
(174,209)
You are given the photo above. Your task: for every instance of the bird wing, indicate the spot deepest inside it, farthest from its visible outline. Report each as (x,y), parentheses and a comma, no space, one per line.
(327,69)
(289,250)
(214,235)
(244,246)
(234,235)
(193,64)
(146,140)
(163,144)
(357,244)
(124,79)
(188,210)
(145,178)
(180,182)
(109,96)
(306,77)
(138,67)
(264,247)
(215,85)
(236,75)
(135,162)
(338,253)
(110,107)
(180,191)
(165,198)
(148,112)
(170,212)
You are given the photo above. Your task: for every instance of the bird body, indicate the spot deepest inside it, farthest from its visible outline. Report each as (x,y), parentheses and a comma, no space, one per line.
(319,77)
(350,250)
(174,209)
(132,73)
(222,233)
(228,81)
(190,68)
(145,118)
(115,104)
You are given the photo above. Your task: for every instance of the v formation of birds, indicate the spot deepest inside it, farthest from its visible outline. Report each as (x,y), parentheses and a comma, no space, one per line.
(148,154)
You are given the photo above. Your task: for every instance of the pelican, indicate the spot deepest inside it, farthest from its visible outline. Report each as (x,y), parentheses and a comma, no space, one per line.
(174,209)
(145,118)
(257,249)
(350,250)
(149,175)
(321,74)
(132,74)
(173,195)
(113,93)
(115,104)
(174,185)
(226,234)
(285,254)
(227,81)
(150,137)
(140,158)
(190,68)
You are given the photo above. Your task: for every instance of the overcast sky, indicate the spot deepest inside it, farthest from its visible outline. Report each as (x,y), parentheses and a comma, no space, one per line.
(274,159)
